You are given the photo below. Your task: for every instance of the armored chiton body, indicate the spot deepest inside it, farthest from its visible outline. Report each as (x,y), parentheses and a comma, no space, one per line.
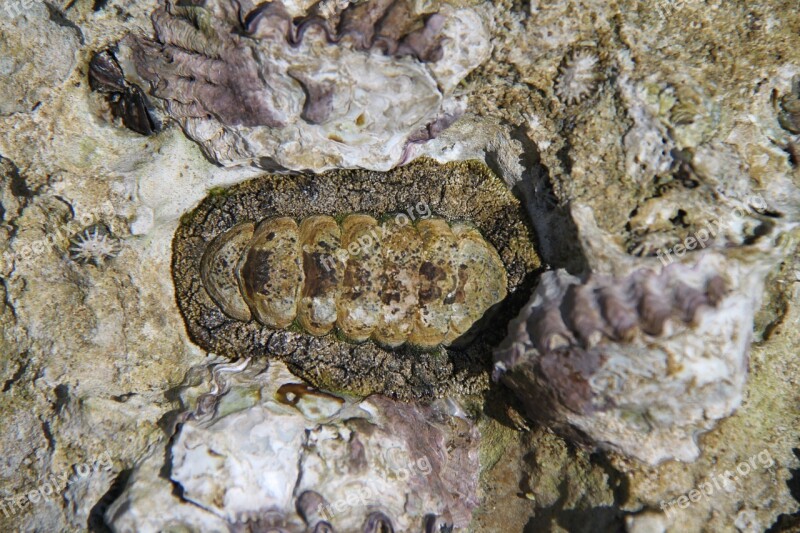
(362,281)
(394,282)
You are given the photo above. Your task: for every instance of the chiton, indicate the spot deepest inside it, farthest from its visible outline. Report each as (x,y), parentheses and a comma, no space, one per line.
(395,282)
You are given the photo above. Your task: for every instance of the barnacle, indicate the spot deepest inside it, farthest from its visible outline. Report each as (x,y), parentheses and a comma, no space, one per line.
(688,106)
(577,76)
(685,108)
(95,244)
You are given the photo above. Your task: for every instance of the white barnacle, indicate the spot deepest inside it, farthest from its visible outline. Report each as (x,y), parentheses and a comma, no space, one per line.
(577,77)
(94,245)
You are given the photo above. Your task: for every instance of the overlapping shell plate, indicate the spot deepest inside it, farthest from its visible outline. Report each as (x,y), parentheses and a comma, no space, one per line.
(333,85)
(424,284)
(307,270)
(268,453)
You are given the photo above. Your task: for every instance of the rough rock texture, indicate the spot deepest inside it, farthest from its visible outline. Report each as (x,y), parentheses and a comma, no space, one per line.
(468,192)
(690,99)
(584,151)
(646,360)
(36,54)
(264,448)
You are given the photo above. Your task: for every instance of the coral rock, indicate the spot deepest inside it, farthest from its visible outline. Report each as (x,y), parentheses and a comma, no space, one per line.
(267,451)
(331,88)
(641,363)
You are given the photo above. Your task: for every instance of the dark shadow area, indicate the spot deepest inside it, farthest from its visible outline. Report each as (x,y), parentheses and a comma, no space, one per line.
(58,17)
(790,522)
(556,234)
(618,481)
(601,519)
(500,403)
(96,522)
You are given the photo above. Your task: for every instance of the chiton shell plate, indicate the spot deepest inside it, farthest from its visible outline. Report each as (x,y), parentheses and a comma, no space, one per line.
(394,282)
(279,266)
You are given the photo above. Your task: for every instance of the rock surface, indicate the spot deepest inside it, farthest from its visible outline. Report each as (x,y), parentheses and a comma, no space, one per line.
(338,86)
(641,364)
